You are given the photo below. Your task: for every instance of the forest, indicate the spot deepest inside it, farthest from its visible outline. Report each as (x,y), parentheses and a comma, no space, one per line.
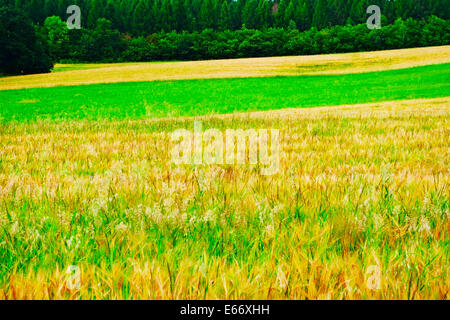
(144,17)
(149,30)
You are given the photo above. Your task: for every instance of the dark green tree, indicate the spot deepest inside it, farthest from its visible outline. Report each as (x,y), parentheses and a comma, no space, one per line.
(249,17)
(57,37)
(207,16)
(289,15)
(224,17)
(320,17)
(302,15)
(23,50)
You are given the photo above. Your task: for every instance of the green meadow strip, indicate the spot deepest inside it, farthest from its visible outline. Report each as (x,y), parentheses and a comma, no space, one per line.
(140,100)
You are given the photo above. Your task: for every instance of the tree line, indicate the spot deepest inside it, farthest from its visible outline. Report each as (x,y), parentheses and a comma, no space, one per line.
(31,43)
(144,17)
(103,43)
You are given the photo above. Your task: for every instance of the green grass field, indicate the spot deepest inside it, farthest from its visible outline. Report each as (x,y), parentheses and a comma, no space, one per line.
(139,100)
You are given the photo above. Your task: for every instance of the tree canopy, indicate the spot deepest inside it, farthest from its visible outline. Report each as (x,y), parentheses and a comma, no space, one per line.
(23,50)
(143,17)
(148,30)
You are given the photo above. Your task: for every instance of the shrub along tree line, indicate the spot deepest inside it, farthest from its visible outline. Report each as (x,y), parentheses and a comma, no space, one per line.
(105,44)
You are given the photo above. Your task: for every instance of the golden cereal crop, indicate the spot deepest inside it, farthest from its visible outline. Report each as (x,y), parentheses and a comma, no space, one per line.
(359,209)
(233,68)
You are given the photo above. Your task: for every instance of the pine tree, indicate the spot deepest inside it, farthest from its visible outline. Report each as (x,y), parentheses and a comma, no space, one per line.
(248,14)
(289,15)
(206,19)
(110,13)
(338,12)
(178,14)
(279,16)
(50,8)
(165,16)
(263,13)
(302,16)
(358,11)
(36,7)
(142,18)
(235,15)
(320,17)
(224,17)
(189,22)
(95,13)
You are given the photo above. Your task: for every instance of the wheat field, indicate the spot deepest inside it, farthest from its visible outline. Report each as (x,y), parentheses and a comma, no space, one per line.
(358,210)
(346,63)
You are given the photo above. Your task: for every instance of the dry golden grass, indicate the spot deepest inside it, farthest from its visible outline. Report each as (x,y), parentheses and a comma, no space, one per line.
(252,67)
(355,110)
(359,186)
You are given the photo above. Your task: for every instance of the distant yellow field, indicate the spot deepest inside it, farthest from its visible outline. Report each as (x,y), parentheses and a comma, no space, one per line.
(252,67)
